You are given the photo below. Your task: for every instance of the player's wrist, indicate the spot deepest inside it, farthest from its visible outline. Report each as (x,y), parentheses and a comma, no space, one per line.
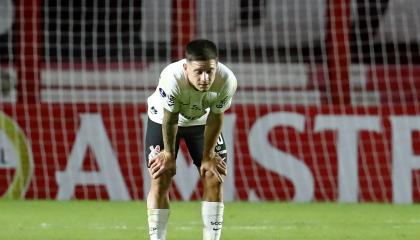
(169,155)
(208,156)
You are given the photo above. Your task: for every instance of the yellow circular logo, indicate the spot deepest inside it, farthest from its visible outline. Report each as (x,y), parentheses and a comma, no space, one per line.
(15,153)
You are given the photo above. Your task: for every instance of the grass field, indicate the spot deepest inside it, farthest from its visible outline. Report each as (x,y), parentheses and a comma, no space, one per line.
(36,220)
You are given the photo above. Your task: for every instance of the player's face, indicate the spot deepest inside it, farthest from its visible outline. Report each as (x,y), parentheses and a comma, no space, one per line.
(201,74)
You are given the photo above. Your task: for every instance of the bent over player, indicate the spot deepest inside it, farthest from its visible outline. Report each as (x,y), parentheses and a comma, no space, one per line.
(188,104)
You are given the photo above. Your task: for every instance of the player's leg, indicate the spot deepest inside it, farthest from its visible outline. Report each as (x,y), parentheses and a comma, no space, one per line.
(194,138)
(158,197)
(212,205)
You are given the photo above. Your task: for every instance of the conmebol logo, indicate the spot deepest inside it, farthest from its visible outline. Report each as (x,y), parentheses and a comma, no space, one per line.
(15,159)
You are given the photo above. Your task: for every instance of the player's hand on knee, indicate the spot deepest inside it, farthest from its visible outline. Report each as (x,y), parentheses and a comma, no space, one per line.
(213,166)
(163,163)
(221,165)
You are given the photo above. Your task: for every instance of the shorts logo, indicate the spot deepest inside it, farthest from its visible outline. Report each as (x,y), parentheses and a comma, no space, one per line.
(162,93)
(153,152)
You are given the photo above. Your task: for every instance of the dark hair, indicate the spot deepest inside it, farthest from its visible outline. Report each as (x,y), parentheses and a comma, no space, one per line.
(201,50)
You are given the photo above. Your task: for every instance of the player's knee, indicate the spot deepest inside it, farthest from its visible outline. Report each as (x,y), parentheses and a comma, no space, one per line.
(166,177)
(212,179)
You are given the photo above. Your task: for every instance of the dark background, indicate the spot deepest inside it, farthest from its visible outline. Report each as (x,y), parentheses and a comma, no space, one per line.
(109,31)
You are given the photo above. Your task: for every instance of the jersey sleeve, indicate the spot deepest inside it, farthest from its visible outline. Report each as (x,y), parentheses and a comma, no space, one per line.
(169,92)
(224,99)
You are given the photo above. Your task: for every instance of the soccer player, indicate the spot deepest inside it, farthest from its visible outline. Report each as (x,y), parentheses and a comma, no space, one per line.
(189,102)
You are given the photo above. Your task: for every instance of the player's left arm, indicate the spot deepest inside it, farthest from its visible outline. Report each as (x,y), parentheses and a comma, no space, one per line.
(212,162)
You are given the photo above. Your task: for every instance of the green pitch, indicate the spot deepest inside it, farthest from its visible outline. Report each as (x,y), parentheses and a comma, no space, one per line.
(36,220)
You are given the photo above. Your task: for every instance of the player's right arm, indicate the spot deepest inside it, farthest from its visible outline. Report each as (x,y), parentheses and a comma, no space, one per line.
(165,160)
(169,130)
(169,94)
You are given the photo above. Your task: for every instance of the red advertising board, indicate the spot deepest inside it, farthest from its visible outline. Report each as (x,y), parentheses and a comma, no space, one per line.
(347,154)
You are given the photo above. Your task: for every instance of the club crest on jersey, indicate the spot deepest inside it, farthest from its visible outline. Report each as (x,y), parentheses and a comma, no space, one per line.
(162,93)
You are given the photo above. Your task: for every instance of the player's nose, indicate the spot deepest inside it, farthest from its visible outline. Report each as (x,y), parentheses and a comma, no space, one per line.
(204,77)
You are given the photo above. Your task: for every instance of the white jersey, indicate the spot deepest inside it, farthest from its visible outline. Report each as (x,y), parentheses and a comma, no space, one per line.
(175,94)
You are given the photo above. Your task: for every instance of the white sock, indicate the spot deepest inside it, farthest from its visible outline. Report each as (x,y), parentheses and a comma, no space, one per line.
(158,219)
(212,214)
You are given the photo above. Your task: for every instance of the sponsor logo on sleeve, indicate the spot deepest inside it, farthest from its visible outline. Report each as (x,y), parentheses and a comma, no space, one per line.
(153,110)
(222,102)
(171,100)
(162,92)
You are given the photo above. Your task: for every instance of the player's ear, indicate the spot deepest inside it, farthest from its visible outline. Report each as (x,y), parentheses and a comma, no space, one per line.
(185,66)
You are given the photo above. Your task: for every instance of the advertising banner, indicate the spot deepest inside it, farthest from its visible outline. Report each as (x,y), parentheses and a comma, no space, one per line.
(302,154)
